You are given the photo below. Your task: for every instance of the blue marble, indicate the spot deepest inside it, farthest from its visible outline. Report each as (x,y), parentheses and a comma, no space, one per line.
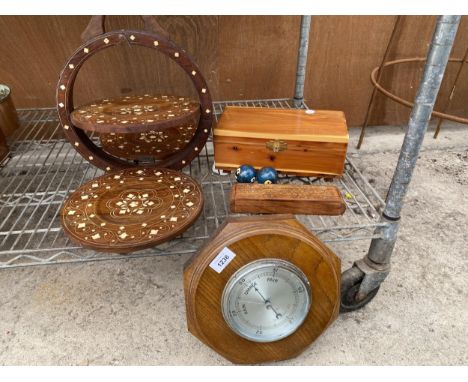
(245,174)
(267,175)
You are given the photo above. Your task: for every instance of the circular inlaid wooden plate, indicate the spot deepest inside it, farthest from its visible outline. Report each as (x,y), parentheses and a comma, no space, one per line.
(156,144)
(134,114)
(131,209)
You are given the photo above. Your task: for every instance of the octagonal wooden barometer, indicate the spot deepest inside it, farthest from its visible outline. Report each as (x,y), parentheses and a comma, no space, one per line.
(263,289)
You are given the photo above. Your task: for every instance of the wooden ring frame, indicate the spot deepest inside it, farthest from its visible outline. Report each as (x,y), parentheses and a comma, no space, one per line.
(80,140)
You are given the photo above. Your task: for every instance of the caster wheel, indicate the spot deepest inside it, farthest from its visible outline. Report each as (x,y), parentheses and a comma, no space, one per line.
(349,291)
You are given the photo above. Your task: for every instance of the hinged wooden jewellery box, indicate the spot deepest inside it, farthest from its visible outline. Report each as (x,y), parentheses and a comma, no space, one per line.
(300,142)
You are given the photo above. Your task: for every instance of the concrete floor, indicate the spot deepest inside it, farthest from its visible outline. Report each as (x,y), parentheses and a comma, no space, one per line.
(132,312)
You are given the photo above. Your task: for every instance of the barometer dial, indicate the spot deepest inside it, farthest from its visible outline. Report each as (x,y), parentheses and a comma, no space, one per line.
(266,300)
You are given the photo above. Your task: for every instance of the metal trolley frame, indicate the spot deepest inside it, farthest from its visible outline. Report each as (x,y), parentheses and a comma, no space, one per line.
(43,169)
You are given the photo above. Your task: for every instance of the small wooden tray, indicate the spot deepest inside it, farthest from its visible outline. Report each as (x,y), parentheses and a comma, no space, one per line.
(156,144)
(286,198)
(134,114)
(131,209)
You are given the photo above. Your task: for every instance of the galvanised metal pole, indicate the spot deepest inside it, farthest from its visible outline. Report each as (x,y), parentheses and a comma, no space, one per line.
(381,249)
(302,61)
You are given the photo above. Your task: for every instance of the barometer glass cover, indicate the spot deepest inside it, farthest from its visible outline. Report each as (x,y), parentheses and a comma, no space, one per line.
(266,300)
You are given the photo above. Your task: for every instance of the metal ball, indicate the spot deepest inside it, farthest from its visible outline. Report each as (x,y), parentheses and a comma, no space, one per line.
(245,174)
(267,175)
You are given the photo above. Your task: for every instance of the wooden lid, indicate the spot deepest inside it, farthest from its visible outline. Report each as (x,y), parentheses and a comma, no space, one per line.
(133,114)
(131,209)
(286,198)
(286,124)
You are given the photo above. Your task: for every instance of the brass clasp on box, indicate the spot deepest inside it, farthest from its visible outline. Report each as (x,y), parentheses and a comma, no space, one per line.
(276,145)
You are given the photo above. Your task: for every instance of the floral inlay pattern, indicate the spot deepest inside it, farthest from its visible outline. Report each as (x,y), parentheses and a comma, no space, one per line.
(156,144)
(144,109)
(134,202)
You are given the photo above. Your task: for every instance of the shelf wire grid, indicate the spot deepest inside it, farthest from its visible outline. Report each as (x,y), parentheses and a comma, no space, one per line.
(43,169)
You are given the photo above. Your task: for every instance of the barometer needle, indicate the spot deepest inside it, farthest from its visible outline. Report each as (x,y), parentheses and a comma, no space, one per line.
(268,303)
(261,295)
(278,315)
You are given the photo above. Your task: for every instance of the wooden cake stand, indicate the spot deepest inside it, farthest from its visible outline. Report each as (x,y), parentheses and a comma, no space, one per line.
(131,209)
(98,117)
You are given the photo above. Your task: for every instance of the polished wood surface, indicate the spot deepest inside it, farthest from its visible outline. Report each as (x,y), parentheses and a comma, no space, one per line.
(4,150)
(286,198)
(307,144)
(135,114)
(8,116)
(311,159)
(288,124)
(253,238)
(242,57)
(65,98)
(128,210)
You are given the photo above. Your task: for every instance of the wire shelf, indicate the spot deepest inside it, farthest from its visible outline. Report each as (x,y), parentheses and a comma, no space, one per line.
(43,168)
